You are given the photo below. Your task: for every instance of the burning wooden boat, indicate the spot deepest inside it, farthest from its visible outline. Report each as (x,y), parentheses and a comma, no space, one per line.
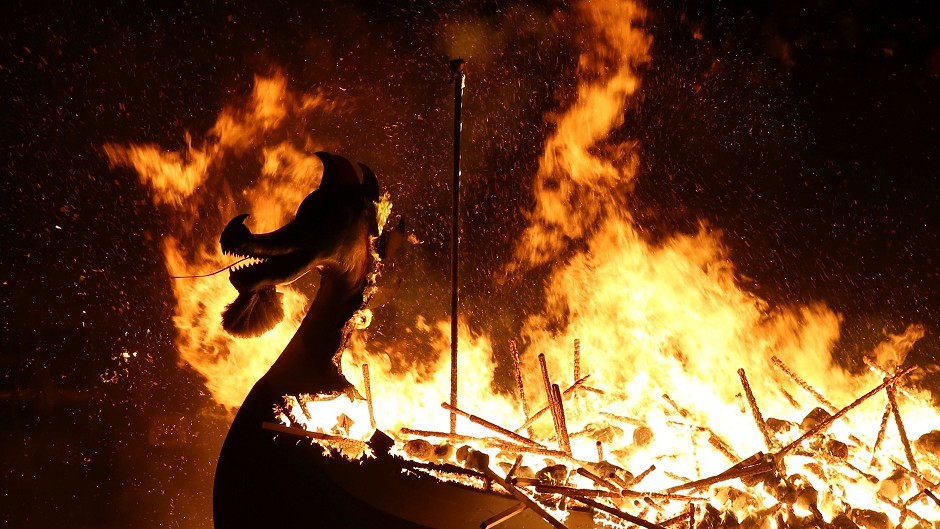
(772,489)
(511,477)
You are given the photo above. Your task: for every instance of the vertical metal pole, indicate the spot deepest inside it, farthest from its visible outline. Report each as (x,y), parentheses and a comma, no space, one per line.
(457,77)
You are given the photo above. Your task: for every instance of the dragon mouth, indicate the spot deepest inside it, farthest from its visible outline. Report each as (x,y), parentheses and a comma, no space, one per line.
(267,260)
(255,272)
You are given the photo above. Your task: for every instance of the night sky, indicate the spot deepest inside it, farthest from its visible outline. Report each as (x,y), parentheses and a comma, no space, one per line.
(807,132)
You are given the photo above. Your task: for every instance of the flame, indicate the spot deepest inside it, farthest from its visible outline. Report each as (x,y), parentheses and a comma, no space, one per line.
(574,171)
(199,195)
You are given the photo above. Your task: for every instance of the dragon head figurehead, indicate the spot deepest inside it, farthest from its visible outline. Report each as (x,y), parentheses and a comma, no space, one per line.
(330,232)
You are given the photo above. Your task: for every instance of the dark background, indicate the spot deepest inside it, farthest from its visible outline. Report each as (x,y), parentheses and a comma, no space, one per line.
(805,131)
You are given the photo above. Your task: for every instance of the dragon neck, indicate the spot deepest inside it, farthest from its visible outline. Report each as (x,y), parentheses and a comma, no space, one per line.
(307,363)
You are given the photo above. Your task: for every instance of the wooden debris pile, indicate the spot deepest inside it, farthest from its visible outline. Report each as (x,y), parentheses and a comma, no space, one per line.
(771,489)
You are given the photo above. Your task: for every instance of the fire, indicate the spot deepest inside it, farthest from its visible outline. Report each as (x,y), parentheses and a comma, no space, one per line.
(191,185)
(663,328)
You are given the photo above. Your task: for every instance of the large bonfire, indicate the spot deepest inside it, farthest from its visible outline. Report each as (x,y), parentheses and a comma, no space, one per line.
(652,386)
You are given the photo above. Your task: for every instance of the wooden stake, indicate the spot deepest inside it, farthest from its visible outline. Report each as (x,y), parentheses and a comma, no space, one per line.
(523,498)
(828,422)
(572,492)
(659,495)
(803,384)
(526,482)
(367,382)
(881,433)
(893,402)
(597,479)
(623,419)
(520,388)
(905,512)
(616,479)
(752,470)
(577,359)
(514,467)
(619,514)
(546,381)
(564,442)
(786,394)
(769,441)
(932,496)
(542,411)
(721,446)
(885,373)
(492,426)
(553,405)
(458,78)
(639,477)
(503,516)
